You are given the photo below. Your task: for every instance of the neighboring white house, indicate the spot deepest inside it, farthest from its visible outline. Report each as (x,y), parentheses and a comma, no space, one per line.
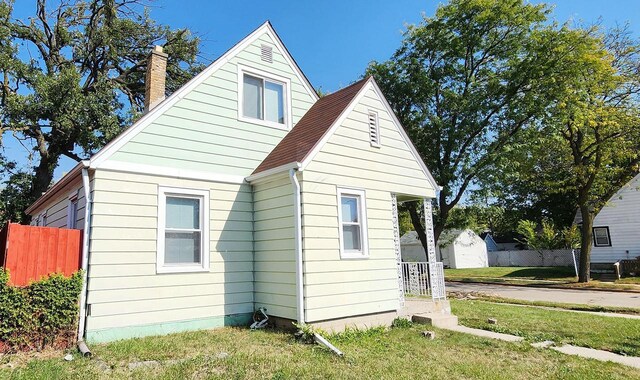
(456,249)
(616,228)
(242,190)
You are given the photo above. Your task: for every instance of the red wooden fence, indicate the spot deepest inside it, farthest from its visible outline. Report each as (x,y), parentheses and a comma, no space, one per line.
(30,252)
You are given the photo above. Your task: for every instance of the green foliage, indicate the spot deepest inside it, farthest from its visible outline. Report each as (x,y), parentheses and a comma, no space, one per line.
(72,78)
(465,82)
(43,313)
(401,323)
(546,236)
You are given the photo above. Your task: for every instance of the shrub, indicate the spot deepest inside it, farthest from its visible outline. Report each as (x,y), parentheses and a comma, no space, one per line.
(43,313)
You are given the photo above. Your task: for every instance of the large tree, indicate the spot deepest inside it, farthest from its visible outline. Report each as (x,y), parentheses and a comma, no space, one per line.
(597,121)
(72,77)
(464,83)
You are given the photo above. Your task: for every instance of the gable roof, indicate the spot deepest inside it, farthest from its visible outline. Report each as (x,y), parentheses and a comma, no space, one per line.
(162,107)
(304,141)
(304,136)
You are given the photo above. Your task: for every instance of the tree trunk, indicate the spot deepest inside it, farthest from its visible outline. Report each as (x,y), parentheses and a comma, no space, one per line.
(417,225)
(585,244)
(43,175)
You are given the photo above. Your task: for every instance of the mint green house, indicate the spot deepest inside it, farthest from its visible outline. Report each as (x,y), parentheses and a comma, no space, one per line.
(242,190)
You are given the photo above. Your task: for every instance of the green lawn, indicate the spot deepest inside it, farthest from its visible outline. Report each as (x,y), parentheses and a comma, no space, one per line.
(556,276)
(400,353)
(525,273)
(614,334)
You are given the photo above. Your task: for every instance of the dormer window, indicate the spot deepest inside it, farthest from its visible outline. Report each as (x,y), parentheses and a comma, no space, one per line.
(264,99)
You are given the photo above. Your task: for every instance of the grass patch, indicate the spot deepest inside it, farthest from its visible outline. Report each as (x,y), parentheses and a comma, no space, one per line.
(397,353)
(618,335)
(558,305)
(556,276)
(525,273)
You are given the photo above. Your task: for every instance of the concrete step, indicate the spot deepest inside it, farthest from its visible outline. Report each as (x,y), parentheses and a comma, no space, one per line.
(436,320)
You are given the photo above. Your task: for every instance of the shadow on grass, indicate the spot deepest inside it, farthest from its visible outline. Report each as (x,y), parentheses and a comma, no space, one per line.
(542,273)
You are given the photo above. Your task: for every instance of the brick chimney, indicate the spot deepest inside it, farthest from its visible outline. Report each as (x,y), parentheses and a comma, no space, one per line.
(154,85)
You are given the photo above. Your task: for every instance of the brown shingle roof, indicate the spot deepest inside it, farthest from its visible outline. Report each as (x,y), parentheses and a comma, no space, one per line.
(295,146)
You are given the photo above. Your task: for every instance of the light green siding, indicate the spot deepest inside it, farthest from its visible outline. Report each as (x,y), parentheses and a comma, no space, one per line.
(201,132)
(124,289)
(336,287)
(274,247)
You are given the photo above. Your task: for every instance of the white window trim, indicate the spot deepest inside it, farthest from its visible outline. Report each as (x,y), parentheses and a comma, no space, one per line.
(71,203)
(286,82)
(374,112)
(204,266)
(362,215)
(608,234)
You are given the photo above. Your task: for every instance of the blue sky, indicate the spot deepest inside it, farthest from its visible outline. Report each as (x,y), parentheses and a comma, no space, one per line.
(332,41)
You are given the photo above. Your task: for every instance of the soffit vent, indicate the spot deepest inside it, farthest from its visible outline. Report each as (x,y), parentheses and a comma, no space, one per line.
(266,52)
(374,129)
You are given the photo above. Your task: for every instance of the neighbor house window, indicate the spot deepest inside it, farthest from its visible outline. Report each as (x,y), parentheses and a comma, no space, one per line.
(601,237)
(183,230)
(352,220)
(264,99)
(72,210)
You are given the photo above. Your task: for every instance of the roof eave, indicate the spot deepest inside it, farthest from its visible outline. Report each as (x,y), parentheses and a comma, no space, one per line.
(68,178)
(254,178)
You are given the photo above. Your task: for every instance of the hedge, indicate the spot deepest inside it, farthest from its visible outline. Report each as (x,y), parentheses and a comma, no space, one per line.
(44,313)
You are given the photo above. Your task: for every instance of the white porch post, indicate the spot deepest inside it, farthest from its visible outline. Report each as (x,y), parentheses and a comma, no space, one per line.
(436,270)
(396,244)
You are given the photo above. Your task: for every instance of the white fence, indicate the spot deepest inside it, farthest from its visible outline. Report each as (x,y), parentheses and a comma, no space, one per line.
(416,279)
(531,258)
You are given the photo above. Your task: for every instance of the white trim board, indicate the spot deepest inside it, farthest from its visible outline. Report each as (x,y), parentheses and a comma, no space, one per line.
(99,158)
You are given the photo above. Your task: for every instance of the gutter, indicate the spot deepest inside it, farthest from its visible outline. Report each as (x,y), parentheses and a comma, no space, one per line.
(256,177)
(297,222)
(82,346)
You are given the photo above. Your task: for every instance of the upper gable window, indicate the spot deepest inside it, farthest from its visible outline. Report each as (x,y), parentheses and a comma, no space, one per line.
(264,99)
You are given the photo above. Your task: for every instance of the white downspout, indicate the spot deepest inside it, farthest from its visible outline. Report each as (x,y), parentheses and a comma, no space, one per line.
(297,222)
(85,263)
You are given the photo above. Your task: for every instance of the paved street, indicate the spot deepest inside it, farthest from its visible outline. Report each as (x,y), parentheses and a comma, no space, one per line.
(588,297)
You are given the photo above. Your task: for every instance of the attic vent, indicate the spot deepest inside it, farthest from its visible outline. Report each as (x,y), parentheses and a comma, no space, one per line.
(374,129)
(266,53)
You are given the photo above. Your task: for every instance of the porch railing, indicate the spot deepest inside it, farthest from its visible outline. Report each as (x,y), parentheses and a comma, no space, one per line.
(417,279)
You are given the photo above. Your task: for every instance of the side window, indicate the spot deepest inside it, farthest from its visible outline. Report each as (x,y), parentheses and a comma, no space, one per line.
(183,230)
(352,219)
(601,237)
(72,211)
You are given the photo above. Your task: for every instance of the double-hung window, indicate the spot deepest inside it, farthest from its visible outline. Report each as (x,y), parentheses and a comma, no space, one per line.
(352,218)
(183,230)
(264,99)
(601,237)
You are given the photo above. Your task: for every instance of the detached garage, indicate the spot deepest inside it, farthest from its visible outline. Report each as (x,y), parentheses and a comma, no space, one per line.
(456,249)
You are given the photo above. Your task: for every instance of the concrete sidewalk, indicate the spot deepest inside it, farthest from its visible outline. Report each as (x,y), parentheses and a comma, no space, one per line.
(586,297)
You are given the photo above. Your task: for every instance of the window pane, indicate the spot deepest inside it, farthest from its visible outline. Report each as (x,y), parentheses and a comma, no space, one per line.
(182,248)
(349,209)
(351,235)
(274,102)
(183,213)
(252,97)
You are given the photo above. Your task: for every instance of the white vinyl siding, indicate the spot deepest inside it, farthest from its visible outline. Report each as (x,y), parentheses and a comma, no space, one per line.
(124,288)
(335,287)
(274,247)
(202,131)
(622,215)
(55,213)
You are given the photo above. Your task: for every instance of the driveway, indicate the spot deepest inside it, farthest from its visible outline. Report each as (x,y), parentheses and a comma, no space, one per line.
(587,297)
